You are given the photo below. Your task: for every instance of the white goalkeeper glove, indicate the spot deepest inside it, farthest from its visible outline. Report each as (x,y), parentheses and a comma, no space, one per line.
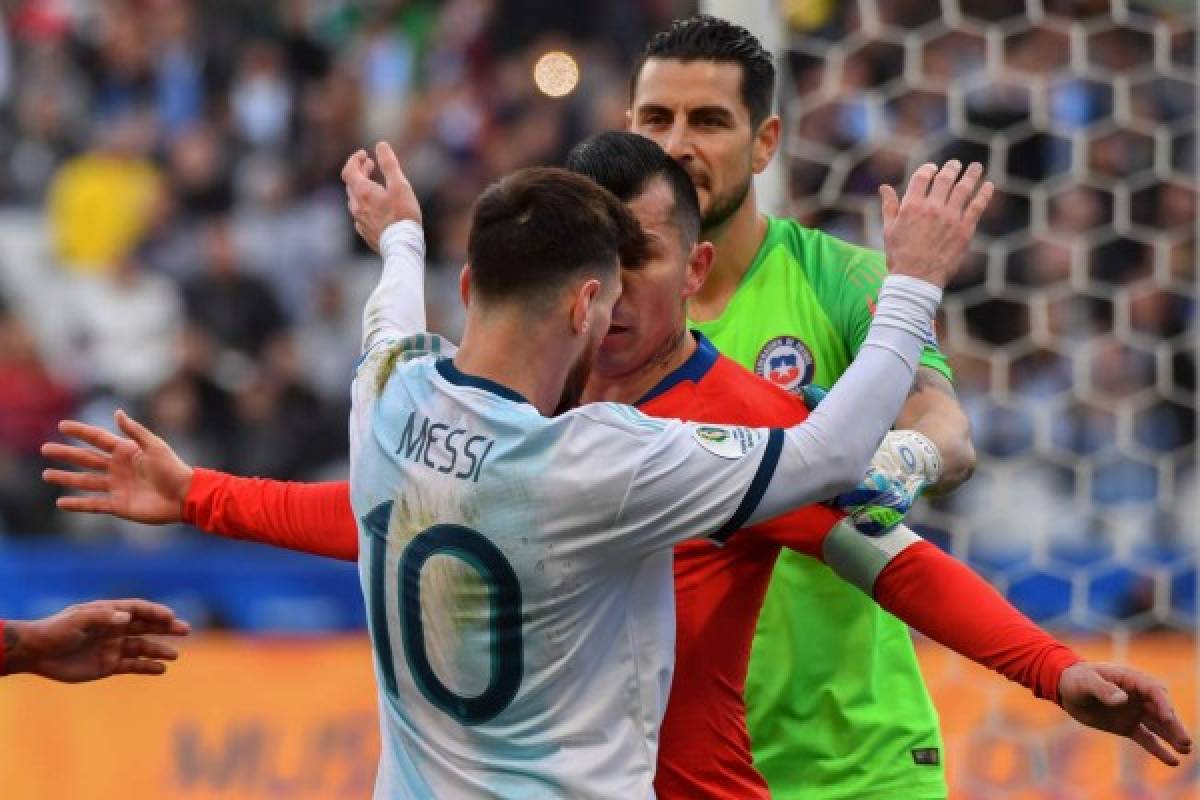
(905,454)
(905,463)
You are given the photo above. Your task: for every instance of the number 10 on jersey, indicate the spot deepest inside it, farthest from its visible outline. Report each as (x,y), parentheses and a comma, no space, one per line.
(504,615)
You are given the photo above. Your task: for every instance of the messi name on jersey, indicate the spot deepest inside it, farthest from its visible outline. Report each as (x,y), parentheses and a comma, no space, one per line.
(444,448)
(786,362)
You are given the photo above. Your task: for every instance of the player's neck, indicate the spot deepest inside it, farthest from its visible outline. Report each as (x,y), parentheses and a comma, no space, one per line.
(633,386)
(736,243)
(499,349)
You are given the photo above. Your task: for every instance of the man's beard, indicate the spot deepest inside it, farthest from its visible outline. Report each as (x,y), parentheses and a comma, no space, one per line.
(725,206)
(577,378)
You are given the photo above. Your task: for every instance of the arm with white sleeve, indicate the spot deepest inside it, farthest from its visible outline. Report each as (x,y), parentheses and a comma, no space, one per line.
(710,480)
(388,218)
(770,472)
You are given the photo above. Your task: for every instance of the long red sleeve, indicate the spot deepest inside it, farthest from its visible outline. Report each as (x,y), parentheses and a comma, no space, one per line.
(950,604)
(310,517)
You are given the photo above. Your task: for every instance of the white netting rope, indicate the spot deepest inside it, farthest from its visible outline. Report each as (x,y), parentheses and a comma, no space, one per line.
(1073,326)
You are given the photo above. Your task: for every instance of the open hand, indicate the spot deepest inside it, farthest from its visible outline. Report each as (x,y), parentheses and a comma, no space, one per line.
(375,206)
(1126,702)
(94,640)
(927,233)
(139,478)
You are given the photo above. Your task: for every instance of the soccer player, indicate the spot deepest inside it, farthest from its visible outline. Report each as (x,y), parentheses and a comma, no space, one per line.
(793,304)
(91,641)
(704,752)
(517,566)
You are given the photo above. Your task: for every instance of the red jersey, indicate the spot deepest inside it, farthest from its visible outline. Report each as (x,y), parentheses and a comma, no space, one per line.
(704,745)
(704,749)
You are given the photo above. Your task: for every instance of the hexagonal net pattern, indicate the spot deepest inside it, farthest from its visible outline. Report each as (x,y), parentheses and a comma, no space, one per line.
(1072,328)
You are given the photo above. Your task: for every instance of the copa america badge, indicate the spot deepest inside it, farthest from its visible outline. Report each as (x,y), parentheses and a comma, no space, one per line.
(786,362)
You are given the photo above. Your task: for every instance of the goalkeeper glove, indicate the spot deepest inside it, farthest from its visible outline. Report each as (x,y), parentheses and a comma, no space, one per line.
(903,466)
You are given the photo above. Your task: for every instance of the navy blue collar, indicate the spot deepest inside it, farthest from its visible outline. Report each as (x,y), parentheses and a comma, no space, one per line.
(453,374)
(694,369)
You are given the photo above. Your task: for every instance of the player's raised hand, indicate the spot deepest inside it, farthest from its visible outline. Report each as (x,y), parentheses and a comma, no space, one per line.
(136,477)
(94,640)
(1126,702)
(373,205)
(927,233)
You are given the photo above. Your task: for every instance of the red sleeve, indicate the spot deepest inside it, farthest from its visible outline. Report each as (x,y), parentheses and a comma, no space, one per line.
(802,530)
(950,604)
(3,651)
(309,517)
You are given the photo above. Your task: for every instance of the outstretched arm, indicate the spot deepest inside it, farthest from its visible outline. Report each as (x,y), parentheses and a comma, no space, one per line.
(140,478)
(950,604)
(91,641)
(926,235)
(945,600)
(388,218)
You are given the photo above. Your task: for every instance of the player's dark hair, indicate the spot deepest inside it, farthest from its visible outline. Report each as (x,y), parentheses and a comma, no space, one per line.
(625,164)
(538,228)
(708,38)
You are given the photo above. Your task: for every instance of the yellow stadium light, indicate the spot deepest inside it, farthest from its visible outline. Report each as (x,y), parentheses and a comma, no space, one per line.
(556,74)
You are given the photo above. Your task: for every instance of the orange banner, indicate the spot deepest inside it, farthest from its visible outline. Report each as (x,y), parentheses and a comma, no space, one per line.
(257,719)
(233,718)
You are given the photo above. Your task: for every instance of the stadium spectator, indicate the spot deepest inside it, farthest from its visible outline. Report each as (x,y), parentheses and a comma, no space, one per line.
(30,399)
(101,202)
(239,311)
(128,323)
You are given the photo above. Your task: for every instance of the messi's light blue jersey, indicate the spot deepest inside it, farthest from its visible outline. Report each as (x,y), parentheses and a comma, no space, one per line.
(517,573)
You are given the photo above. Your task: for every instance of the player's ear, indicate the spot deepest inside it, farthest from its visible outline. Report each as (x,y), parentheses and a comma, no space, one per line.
(629,119)
(586,295)
(766,142)
(464,285)
(699,265)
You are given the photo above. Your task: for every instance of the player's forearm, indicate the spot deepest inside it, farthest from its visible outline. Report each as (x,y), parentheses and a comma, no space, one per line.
(950,604)
(312,518)
(396,308)
(830,451)
(932,409)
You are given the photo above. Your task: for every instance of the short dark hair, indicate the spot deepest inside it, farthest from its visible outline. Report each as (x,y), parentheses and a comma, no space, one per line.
(708,38)
(625,164)
(538,228)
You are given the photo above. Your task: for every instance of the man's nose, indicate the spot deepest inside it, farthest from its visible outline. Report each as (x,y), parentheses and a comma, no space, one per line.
(679,143)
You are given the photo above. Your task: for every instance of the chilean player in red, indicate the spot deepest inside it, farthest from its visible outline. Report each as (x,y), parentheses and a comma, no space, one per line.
(650,357)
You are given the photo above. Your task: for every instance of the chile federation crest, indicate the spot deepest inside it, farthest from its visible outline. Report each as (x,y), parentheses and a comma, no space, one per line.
(786,362)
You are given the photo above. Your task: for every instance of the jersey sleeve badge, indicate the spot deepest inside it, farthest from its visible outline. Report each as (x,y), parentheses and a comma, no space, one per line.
(725,441)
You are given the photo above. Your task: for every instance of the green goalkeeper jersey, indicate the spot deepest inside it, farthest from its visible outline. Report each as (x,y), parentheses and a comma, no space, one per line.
(836,705)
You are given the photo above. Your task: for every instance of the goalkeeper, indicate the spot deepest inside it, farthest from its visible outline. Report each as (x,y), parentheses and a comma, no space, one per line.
(793,304)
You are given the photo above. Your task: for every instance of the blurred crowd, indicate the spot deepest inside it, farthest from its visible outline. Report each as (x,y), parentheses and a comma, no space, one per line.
(174,238)
(1072,328)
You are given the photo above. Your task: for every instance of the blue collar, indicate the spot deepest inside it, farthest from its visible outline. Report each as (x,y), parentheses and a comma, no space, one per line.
(694,369)
(453,374)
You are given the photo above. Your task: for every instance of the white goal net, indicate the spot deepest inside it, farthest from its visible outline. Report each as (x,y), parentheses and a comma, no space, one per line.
(1072,330)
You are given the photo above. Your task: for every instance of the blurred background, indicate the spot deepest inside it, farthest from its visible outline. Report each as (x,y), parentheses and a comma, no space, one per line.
(173,241)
